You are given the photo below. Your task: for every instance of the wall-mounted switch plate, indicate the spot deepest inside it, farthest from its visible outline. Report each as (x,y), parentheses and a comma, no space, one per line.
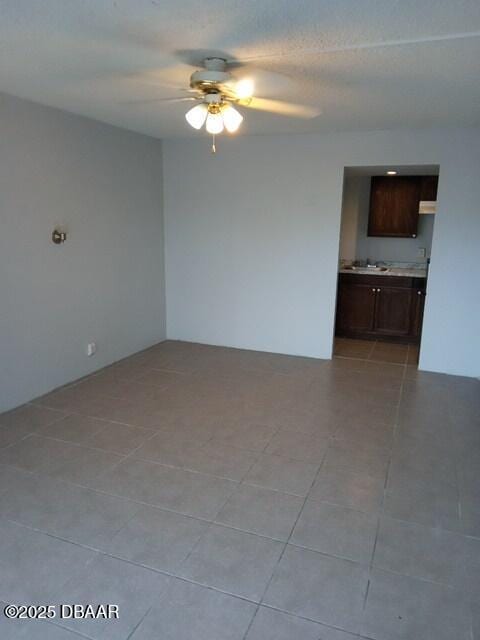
(422,252)
(91,348)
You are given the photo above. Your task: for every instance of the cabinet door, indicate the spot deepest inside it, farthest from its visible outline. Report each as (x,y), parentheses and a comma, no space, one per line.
(355,308)
(394,206)
(393,311)
(429,188)
(418,305)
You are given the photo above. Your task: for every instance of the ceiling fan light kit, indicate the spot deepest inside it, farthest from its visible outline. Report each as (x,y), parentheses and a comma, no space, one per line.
(232,119)
(214,124)
(218,92)
(215,111)
(197,115)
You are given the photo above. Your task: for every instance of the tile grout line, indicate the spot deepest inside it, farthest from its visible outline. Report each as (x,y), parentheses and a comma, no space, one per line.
(118,363)
(156,506)
(379,515)
(130,635)
(213,522)
(250,624)
(171,574)
(293,526)
(80,634)
(262,597)
(396,426)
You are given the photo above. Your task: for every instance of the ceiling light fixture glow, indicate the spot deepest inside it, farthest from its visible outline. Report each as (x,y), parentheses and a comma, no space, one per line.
(391,173)
(197,115)
(217,114)
(214,124)
(244,88)
(232,119)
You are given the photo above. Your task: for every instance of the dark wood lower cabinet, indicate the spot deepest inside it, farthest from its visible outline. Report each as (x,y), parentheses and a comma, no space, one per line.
(381,307)
(419,306)
(393,311)
(357,305)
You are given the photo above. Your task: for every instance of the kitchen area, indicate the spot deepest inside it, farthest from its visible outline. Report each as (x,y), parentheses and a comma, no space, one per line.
(385,245)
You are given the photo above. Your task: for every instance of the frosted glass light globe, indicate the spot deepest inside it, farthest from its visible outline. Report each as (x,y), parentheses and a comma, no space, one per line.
(197,115)
(232,119)
(214,123)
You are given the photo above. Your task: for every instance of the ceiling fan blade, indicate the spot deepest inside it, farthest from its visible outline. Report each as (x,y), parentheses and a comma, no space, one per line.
(281,108)
(260,81)
(153,100)
(172,77)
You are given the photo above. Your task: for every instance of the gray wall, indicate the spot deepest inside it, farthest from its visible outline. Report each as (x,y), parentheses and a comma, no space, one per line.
(356,244)
(106,283)
(252,239)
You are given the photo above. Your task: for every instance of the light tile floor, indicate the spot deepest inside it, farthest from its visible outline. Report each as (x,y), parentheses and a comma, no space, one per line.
(221,494)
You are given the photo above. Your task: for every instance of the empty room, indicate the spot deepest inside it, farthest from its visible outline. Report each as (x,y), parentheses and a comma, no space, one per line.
(239,320)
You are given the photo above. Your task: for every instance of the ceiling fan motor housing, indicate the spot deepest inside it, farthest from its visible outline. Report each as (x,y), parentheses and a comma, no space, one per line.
(205,80)
(211,77)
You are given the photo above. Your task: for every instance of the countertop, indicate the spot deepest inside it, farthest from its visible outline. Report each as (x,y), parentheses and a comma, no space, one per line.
(389,271)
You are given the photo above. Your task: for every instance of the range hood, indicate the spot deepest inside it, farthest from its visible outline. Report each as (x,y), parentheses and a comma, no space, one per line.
(427,206)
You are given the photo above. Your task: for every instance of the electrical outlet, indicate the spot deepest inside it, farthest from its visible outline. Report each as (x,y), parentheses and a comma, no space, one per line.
(91,348)
(422,252)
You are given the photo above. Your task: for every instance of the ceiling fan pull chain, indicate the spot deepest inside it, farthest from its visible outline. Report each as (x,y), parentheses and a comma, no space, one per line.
(214,148)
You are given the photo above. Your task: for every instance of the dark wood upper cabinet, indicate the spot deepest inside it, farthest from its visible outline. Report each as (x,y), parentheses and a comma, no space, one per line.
(428,189)
(394,206)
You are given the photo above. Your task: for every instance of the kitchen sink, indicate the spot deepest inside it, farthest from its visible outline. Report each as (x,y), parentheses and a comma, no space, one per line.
(366,269)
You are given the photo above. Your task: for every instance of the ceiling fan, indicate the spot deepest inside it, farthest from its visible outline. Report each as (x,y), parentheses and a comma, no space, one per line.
(218,92)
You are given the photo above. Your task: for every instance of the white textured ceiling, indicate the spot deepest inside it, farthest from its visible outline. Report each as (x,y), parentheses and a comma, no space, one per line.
(368,64)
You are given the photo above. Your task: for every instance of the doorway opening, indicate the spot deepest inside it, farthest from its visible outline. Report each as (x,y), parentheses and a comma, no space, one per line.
(388,214)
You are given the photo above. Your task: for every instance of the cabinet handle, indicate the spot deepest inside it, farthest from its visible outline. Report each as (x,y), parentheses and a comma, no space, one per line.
(373,290)
(414,235)
(419,293)
(378,290)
